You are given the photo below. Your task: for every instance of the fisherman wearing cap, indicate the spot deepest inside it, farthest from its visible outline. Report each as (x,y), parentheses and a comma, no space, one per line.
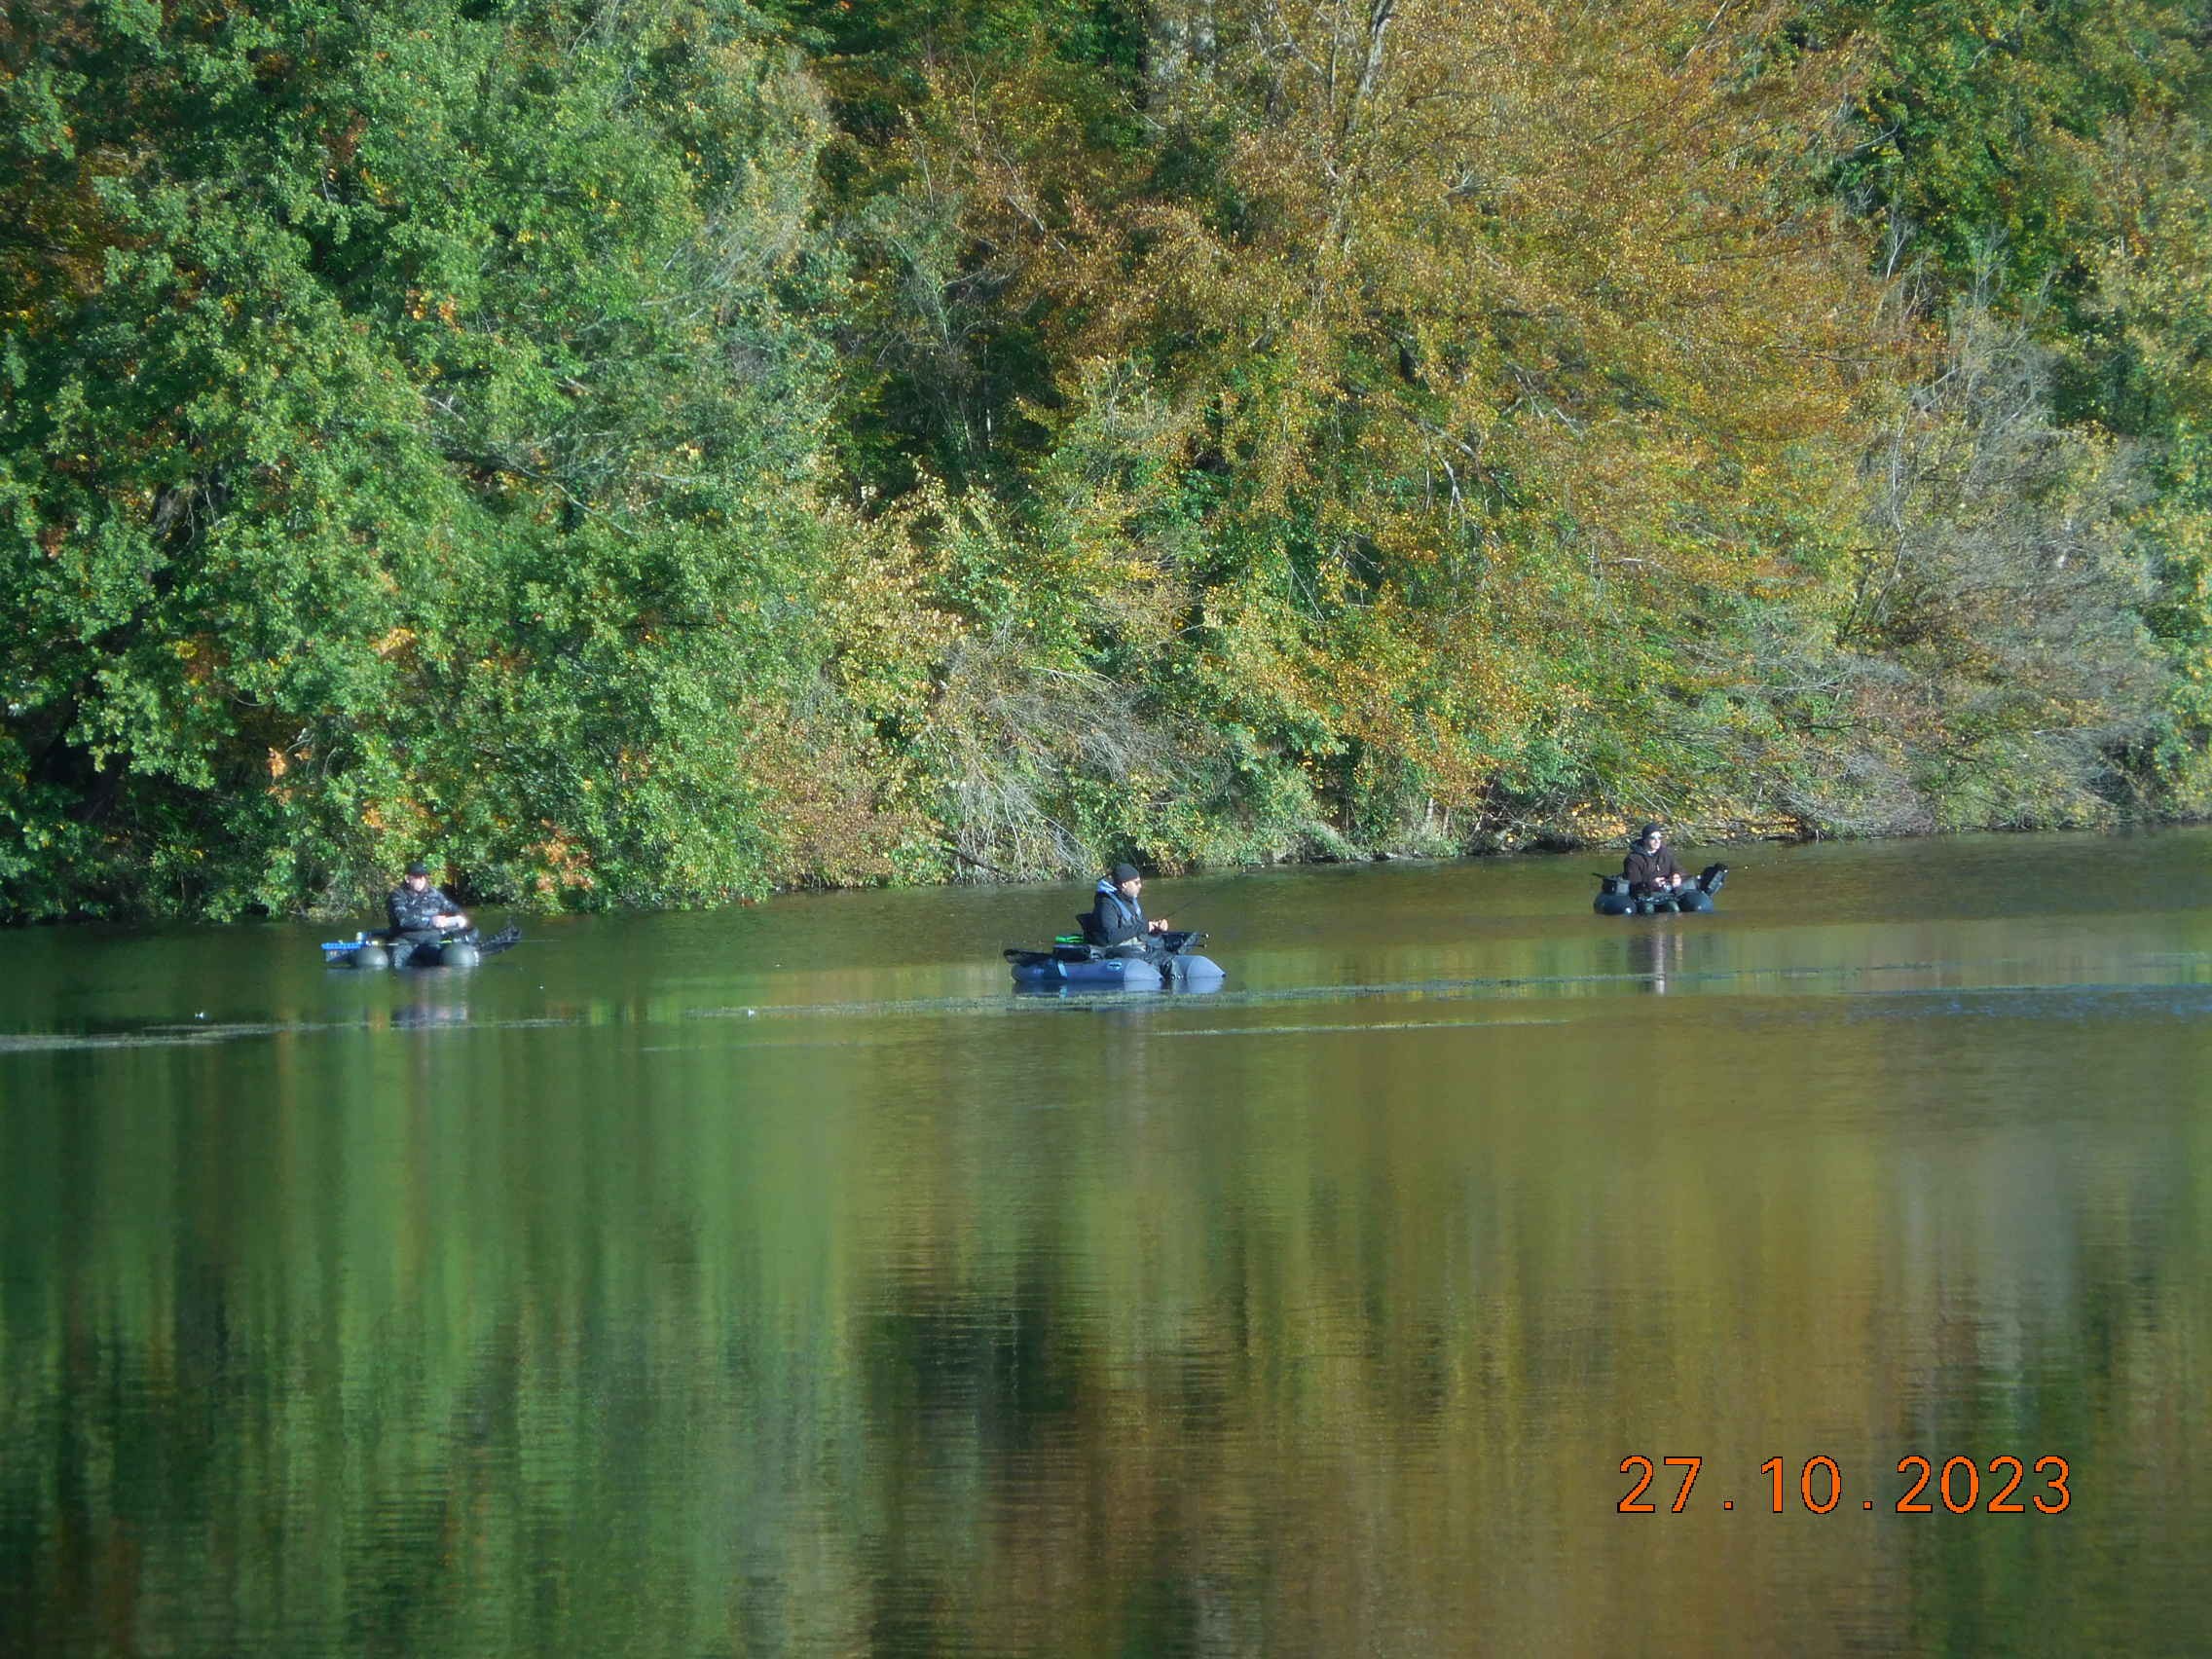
(1117,921)
(1650,866)
(420,912)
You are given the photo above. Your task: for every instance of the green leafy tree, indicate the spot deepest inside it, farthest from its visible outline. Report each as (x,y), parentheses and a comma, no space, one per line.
(410,434)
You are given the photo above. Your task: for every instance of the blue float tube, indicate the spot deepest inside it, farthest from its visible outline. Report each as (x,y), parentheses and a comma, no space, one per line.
(1072,964)
(1614,899)
(367,951)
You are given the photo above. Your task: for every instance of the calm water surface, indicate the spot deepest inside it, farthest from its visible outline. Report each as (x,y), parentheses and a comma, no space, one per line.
(775,1281)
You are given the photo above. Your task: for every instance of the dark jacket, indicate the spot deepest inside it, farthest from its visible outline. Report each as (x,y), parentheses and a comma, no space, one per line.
(416,912)
(1645,871)
(1113,919)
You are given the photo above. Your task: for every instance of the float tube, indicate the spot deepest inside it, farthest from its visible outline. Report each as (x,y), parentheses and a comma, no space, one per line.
(374,951)
(1072,962)
(1614,899)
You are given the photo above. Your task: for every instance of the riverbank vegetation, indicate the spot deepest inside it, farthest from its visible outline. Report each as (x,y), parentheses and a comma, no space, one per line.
(653,454)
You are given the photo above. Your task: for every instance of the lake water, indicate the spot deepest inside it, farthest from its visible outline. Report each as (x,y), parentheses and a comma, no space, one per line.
(777,1281)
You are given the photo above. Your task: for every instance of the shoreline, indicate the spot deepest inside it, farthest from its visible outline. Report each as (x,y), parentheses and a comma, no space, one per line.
(1546,847)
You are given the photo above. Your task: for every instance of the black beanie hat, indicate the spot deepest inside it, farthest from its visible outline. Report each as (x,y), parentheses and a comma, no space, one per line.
(1125,872)
(1651,830)
(418,867)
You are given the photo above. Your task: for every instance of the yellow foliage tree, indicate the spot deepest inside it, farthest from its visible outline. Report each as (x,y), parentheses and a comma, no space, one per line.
(1498,348)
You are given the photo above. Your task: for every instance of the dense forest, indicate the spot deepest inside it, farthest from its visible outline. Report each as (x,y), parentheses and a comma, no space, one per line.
(656,454)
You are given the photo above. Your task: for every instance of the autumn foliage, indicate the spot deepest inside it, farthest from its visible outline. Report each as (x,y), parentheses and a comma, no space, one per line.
(656,456)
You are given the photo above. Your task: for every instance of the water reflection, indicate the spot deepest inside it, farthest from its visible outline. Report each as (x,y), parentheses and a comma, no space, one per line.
(901,1314)
(417,1015)
(430,998)
(1135,988)
(1654,952)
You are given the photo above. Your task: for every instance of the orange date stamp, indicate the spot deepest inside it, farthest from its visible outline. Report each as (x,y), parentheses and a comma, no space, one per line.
(1820,1484)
